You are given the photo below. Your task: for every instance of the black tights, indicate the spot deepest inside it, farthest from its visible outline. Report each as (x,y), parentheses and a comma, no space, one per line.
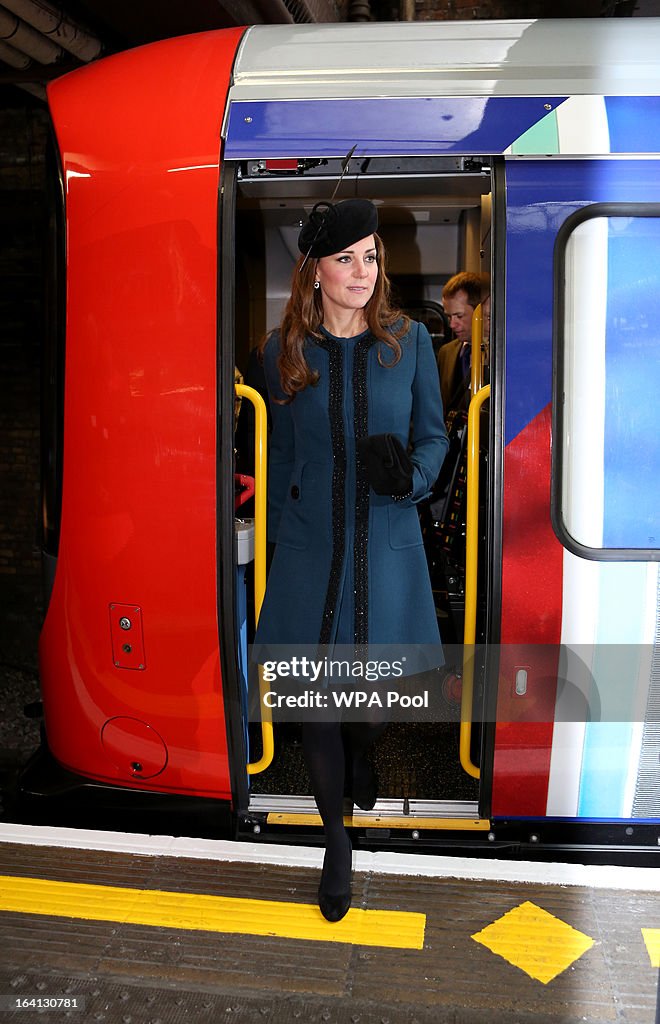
(325,754)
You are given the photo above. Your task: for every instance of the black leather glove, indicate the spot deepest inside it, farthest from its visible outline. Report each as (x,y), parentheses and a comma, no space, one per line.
(388,465)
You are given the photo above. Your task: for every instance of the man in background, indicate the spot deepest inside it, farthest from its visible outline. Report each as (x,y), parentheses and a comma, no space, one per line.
(460,296)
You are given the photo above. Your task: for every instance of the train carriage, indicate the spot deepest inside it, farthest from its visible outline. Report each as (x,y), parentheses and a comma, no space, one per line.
(527,150)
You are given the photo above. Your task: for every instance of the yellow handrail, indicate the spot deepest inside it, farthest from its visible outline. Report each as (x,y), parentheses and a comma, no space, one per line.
(476,369)
(260,479)
(471,565)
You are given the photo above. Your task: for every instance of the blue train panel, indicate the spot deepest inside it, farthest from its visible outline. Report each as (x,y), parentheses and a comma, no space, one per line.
(416,126)
(634,123)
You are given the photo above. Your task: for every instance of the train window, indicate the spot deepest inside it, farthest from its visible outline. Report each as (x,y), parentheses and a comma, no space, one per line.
(607,401)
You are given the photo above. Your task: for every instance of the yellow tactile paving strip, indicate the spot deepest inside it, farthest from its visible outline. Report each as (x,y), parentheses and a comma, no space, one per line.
(652,941)
(537,942)
(226,914)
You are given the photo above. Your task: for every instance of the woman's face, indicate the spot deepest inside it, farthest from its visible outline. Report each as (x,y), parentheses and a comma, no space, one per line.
(348,278)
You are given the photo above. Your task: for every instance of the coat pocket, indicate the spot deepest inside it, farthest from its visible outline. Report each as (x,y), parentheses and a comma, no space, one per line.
(301,513)
(405,531)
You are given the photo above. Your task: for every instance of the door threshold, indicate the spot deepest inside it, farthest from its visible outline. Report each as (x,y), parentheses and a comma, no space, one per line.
(388,813)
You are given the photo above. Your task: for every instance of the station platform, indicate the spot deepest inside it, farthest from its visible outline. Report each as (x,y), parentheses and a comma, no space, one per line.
(131,929)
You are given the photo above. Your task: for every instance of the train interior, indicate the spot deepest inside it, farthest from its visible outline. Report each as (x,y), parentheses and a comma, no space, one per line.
(435,219)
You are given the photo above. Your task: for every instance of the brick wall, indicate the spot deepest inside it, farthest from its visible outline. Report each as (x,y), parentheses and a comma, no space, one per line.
(466,10)
(23,132)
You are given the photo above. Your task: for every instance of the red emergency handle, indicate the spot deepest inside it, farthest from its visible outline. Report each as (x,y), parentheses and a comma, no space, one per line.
(247,483)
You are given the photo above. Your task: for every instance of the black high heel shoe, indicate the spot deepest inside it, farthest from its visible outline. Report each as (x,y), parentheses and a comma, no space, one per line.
(335,906)
(365,787)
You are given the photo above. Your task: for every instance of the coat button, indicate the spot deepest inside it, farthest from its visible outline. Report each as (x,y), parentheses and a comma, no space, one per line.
(295,492)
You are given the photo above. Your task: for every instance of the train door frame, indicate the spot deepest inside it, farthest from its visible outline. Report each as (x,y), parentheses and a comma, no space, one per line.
(226,562)
(226,342)
(495,477)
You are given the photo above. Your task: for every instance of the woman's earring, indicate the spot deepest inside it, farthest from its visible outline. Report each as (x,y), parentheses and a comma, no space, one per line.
(317,284)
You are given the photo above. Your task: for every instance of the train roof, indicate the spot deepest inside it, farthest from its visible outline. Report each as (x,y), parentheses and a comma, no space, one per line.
(578,87)
(558,57)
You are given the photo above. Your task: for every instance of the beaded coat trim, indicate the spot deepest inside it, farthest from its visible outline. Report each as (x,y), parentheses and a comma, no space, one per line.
(361,560)
(361,523)
(336,416)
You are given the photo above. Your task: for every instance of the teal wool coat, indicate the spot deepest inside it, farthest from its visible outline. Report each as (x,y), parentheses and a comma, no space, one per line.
(349,564)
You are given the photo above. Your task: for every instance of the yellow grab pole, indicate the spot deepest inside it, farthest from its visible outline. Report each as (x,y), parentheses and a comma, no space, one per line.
(260,480)
(471,566)
(475,354)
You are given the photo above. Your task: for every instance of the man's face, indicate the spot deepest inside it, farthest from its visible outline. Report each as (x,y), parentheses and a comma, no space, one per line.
(459,311)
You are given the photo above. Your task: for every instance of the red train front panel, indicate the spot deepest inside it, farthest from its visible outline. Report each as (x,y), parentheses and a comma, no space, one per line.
(129,650)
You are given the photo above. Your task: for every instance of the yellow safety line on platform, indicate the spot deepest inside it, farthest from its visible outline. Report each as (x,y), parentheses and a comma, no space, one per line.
(378,821)
(388,928)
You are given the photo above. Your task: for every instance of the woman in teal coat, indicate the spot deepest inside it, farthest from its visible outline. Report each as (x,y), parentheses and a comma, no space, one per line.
(358,439)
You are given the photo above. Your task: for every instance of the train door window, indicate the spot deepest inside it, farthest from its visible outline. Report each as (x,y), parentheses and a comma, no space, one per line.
(607,455)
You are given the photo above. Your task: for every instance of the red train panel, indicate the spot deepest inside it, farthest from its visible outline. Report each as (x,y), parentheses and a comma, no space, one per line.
(531,608)
(139,140)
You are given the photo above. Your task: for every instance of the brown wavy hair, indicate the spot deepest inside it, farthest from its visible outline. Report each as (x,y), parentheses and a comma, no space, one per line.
(303,317)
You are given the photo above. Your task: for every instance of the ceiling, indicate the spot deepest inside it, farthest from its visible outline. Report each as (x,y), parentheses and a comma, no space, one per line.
(114,25)
(125,23)
(107,26)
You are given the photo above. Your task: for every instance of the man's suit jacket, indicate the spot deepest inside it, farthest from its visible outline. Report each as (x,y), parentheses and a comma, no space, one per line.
(454,395)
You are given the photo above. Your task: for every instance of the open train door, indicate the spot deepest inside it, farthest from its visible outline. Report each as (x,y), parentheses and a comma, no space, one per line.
(425,788)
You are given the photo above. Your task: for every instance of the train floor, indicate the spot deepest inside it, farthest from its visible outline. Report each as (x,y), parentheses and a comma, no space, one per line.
(120,929)
(414,760)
